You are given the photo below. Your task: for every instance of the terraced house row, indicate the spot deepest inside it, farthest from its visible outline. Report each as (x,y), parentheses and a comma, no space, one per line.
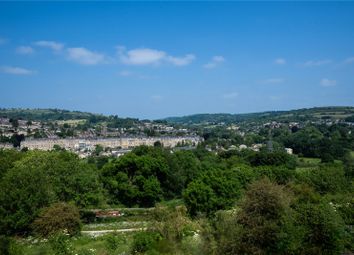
(124,142)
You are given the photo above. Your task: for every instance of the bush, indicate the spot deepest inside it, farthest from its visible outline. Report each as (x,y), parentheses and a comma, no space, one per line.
(112,242)
(326,179)
(8,246)
(217,189)
(56,218)
(144,241)
(60,244)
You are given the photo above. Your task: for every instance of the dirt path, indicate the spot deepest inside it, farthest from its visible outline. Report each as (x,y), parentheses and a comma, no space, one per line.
(95,233)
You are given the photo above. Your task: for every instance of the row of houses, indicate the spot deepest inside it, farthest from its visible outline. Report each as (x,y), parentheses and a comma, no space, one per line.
(75,144)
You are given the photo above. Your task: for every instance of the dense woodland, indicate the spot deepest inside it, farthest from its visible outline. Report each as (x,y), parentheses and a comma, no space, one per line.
(240,202)
(206,200)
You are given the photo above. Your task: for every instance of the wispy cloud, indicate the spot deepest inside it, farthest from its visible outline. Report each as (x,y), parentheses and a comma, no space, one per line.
(214,62)
(181,61)
(16,70)
(56,46)
(328,83)
(349,60)
(147,56)
(280,61)
(230,95)
(311,63)
(273,81)
(24,50)
(84,56)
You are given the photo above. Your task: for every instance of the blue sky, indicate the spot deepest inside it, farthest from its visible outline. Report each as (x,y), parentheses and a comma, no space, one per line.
(159,59)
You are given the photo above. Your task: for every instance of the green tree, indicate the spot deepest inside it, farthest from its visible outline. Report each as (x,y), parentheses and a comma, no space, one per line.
(260,221)
(137,178)
(216,189)
(324,229)
(24,190)
(8,159)
(199,198)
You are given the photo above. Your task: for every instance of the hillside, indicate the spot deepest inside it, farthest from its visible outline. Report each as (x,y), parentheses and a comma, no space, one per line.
(309,114)
(46,114)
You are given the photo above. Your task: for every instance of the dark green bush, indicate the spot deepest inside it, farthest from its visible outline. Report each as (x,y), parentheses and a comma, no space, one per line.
(58,217)
(144,241)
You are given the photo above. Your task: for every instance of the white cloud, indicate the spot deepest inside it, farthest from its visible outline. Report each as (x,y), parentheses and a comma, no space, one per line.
(273,81)
(24,50)
(230,95)
(143,56)
(85,57)
(328,83)
(311,63)
(280,61)
(214,62)
(16,70)
(147,56)
(349,60)
(181,61)
(56,46)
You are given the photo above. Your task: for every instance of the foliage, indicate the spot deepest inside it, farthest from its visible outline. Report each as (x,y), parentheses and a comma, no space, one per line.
(136,178)
(112,242)
(8,246)
(272,159)
(216,189)
(24,190)
(8,159)
(39,179)
(144,241)
(325,178)
(324,229)
(60,244)
(172,223)
(261,218)
(58,217)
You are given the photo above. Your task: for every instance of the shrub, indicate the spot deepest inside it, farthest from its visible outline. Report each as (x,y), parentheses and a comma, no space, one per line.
(112,242)
(60,244)
(144,241)
(58,217)
(8,246)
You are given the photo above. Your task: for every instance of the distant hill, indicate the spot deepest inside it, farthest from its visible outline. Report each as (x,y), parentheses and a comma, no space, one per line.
(46,114)
(316,113)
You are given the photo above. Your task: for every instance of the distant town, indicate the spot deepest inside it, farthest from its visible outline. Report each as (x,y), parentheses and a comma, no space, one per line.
(37,135)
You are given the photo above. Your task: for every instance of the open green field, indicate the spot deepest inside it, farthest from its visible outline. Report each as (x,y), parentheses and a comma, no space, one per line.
(82,245)
(74,122)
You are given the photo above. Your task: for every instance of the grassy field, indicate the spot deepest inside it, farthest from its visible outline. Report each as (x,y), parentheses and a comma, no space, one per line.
(307,163)
(115,225)
(102,244)
(71,122)
(110,244)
